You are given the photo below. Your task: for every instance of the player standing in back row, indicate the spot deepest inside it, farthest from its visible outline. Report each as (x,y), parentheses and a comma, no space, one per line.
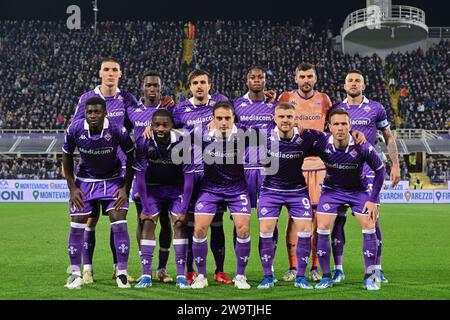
(117,103)
(255,110)
(311,109)
(140,117)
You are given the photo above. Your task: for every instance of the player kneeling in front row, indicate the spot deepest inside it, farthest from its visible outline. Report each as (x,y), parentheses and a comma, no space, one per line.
(160,182)
(98,181)
(345,184)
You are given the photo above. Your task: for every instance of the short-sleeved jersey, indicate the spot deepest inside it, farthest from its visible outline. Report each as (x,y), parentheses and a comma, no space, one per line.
(368,117)
(345,166)
(310,113)
(156,159)
(186,115)
(290,154)
(98,153)
(116,107)
(223,162)
(253,114)
(140,117)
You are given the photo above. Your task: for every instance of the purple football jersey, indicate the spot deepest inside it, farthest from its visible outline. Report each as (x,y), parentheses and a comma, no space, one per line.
(156,159)
(116,107)
(186,115)
(368,117)
(253,114)
(98,153)
(223,160)
(140,117)
(345,166)
(289,155)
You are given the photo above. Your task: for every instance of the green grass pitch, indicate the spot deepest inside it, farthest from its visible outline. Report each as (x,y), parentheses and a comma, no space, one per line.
(33,259)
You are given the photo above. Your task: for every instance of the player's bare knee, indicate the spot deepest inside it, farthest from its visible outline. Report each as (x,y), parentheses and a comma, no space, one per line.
(117,215)
(242,230)
(367,225)
(304,227)
(148,229)
(80,219)
(200,232)
(179,227)
(91,222)
(323,226)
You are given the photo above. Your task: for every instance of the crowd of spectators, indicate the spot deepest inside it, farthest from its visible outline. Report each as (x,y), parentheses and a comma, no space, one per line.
(422,79)
(438,169)
(46,67)
(35,167)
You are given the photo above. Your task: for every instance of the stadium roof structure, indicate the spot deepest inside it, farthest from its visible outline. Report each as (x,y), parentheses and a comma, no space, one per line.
(16,142)
(31,141)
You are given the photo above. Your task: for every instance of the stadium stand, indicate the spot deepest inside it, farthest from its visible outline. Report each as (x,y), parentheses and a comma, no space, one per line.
(46,67)
(31,168)
(422,82)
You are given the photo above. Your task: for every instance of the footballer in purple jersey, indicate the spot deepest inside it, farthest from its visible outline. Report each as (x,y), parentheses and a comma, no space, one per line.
(346,184)
(187,114)
(223,183)
(286,187)
(162,182)
(140,116)
(117,103)
(367,116)
(255,110)
(98,181)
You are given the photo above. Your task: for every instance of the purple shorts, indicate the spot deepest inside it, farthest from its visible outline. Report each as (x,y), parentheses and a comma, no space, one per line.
(198,177)
(134,192)
(254,178)
(97,192)
(297,202)
(330,201)
(160,196)
(208,202)
(370,179)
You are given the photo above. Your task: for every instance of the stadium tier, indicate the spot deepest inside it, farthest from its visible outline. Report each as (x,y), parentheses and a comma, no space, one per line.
(47,67)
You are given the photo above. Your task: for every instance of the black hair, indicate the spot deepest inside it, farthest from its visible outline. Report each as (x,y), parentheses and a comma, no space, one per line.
(92,101)
(223,104)
(163,113)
